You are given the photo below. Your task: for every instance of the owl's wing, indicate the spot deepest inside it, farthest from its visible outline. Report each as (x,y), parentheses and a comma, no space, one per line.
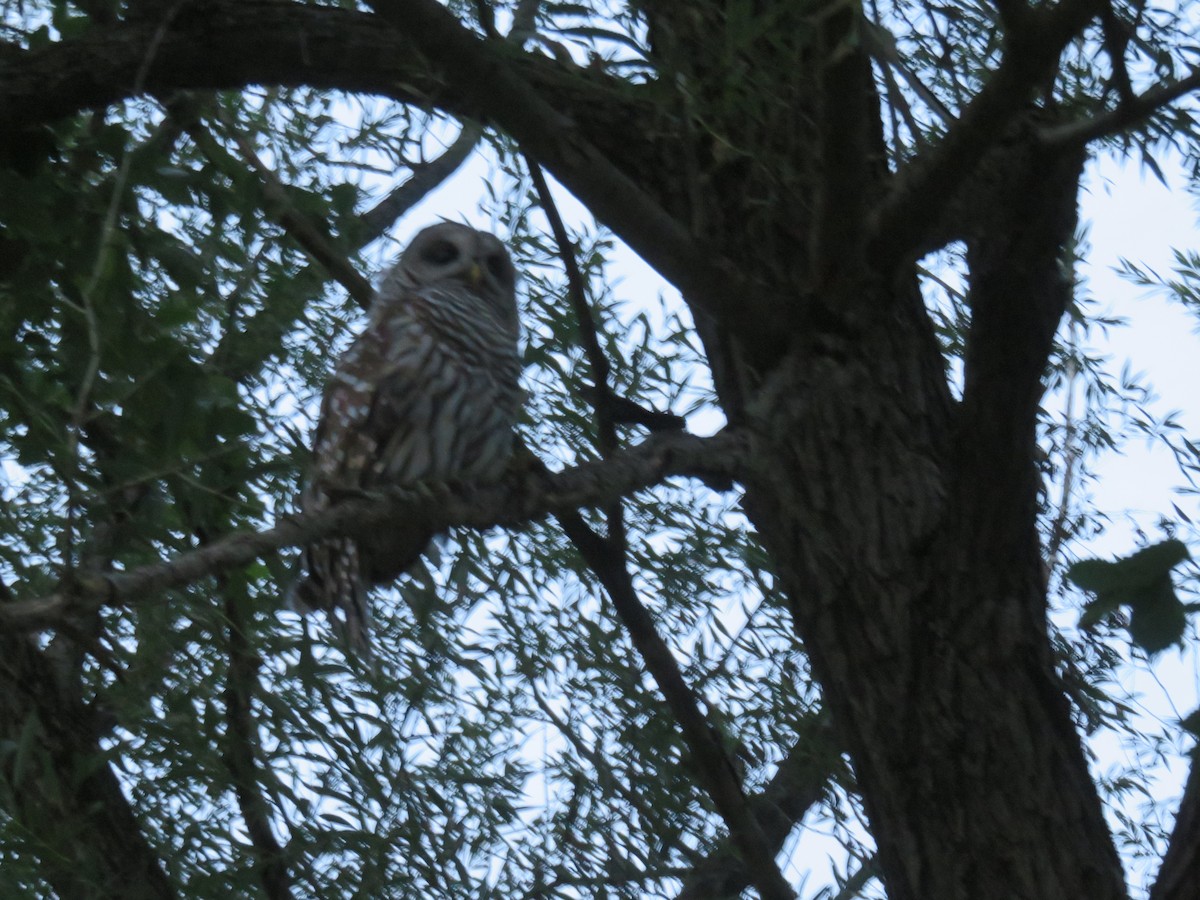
(360,406)
(368,408)
(346,451)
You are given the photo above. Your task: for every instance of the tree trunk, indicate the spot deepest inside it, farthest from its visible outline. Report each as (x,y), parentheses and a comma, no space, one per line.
(62,790)
(903,526)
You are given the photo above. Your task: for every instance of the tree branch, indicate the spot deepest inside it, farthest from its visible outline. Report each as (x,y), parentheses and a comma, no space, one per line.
(844,92)
(716,772)
(1125,116)
(425,178)
(220,44)
(57,784)
(797,784)
(1180,870)
(309,233)
(241,735)
(481,75)
(577,294)
(931,182)
(520,498)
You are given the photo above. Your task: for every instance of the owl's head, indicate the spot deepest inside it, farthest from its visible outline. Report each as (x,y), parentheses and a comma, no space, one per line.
(449,254)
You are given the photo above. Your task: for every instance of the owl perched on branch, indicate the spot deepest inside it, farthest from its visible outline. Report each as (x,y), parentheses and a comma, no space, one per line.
(427,392)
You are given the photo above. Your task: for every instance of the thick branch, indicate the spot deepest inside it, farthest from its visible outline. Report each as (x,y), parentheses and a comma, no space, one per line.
(524,496)
(61,791)
(481,75)
(209,46)
(931,182)
(221,44)
(1180,871)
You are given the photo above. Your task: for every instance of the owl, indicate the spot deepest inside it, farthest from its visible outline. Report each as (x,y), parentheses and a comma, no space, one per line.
(428,392)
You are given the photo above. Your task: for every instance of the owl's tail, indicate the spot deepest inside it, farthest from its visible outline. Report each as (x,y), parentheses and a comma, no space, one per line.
(331,580)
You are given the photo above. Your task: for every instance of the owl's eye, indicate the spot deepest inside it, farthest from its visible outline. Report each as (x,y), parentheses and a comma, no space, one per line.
(440,253)
(499,268)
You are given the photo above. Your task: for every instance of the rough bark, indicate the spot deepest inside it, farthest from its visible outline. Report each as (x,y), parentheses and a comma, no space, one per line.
(1180,871)
(904,529)
(58,784)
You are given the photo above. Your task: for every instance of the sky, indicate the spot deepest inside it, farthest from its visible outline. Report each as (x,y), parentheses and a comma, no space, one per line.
(1135,216)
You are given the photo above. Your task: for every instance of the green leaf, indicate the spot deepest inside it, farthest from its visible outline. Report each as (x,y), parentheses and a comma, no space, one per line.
(1143,583)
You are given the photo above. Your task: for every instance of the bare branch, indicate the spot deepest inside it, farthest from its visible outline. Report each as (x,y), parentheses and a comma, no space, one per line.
(242,741)
(1124,117)
(480,74)
(577,294)
(522,497)
(277,204)
(716,772)
(881,44)
(778,807)
(425,178)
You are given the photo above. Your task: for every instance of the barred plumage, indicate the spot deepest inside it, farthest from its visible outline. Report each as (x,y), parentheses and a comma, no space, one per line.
(427,392)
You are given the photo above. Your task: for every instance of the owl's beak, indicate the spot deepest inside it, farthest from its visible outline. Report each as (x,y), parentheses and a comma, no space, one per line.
(475,274)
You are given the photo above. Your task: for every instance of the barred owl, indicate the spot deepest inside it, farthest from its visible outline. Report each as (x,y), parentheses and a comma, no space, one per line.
(427,392)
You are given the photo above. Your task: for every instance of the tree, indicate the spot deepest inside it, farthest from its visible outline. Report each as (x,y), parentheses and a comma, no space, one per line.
(840,598)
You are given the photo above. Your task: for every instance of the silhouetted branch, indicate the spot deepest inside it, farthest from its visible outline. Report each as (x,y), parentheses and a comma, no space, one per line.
(797,785)
(60,789)
(577,294)
(713,766)
(482,77)
(1125,116)
(1180,870)
(425,178)
(844,111)
(309,233)
(931,182)
(522,497)
(242,742)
